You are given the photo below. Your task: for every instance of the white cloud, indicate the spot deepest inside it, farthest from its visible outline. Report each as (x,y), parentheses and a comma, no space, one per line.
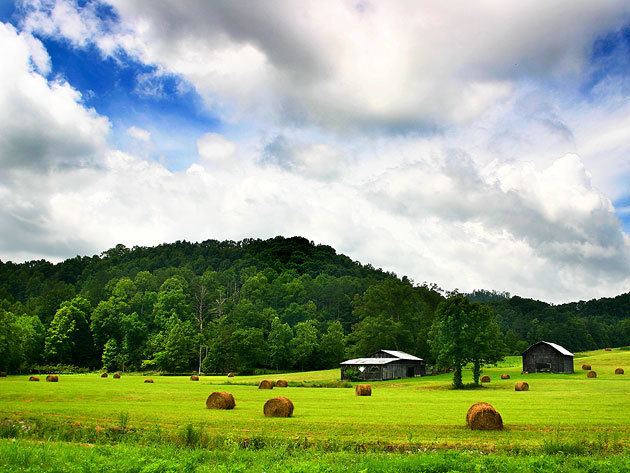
(347,64)
(502,197)
(139,134)
(44,124)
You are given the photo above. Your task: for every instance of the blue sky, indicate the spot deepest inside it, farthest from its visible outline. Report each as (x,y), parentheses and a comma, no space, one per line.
(441,153)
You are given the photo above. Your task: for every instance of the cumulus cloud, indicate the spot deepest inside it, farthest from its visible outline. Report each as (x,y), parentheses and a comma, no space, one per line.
(394,65)
(44,124)
(502,197)
(139,134)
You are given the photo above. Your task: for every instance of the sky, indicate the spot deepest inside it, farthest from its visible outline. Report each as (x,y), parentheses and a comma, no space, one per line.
(480,144)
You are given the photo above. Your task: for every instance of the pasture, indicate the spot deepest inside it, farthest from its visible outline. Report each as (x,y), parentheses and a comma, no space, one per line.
(410,414)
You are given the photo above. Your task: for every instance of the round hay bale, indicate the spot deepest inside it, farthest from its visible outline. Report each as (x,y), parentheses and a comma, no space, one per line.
(33,378)
(265,384)
(104,375)
(586,367)
(52,378)
(194,377)
(220,400)
(116,376)
(148,381)
(619,371)
(521,386)
(278,407)
(485,379)
(482,416)
(591,374)
(230,375)
(282,383)
(505,376)
(363,390)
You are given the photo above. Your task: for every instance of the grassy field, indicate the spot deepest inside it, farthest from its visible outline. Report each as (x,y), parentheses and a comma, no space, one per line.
(560,413)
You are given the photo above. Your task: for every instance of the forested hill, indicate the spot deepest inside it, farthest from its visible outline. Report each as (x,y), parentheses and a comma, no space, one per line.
(282,303)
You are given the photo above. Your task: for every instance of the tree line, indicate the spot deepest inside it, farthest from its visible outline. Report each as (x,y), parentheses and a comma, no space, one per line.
(278,304)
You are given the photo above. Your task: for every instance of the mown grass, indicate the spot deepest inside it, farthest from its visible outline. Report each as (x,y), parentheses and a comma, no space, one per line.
(560,412)
(67,458)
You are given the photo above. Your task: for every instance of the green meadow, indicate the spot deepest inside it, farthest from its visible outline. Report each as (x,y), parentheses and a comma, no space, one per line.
(560,413)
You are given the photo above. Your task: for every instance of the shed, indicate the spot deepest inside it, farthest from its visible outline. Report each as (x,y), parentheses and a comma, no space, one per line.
(547,357)
(385,364)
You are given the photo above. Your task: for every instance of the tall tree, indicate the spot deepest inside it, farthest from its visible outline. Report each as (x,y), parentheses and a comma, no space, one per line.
(279,343)
(69,339)
(450,337)
(304,344)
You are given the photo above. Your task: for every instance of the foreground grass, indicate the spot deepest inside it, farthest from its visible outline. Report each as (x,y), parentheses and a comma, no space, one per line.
(420,412)
(61,457)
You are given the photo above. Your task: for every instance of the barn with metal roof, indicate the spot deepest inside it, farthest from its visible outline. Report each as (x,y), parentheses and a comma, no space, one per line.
(382,365)
(548,357)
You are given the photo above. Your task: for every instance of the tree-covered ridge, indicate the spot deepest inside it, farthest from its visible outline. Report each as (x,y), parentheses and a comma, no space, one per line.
(280,304)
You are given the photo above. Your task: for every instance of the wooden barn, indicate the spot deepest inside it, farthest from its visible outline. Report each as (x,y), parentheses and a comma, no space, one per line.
(384,364)
(547,357)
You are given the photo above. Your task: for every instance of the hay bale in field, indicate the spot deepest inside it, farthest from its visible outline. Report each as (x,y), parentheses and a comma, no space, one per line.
(485,379)
(220,400)
(591,374)
(116,375)
(282,383)
(607,349)
(521,386)
(104,375)
(230,375)
(194,377)
(278,407)
(52,378)
(619,371)
(265,384)
(482,416)
(363,390)
(33,378)
(586,367)
(148,381)
(505,376)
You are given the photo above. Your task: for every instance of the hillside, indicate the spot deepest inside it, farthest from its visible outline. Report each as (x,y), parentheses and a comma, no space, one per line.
(282,303)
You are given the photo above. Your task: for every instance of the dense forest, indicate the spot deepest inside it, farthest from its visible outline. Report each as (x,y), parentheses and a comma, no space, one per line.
(278,304)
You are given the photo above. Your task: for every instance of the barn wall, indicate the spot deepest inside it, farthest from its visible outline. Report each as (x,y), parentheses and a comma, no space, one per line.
(545,355)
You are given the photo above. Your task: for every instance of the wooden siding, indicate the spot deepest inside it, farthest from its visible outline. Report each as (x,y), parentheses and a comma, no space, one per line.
(544,358)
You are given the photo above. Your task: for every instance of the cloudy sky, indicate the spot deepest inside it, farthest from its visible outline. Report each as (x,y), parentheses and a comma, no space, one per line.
(471,144)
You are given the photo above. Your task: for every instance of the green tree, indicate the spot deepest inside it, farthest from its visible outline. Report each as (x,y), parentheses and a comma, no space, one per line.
(392,315)
(111,355)
(332,345)
(179,348)
(304,343)
(171,302)
(279,342)
(450,336)
(487,342)
(10,342)
(250,348)
(69,339)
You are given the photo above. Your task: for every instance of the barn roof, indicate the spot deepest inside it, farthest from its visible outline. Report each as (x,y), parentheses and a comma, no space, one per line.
(401,355)
(555,346)
(369,361)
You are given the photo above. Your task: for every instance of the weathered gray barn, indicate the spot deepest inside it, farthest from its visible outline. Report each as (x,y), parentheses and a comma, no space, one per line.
(384,364)
(547,357)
